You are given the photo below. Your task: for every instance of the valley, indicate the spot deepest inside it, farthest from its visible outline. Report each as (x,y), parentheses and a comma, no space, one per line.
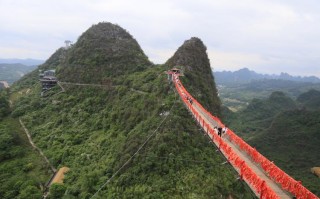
(280,119)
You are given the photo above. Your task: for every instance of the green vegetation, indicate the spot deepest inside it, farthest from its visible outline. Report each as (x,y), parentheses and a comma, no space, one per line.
(94,130)
(237,96)
(12,72)
(292,142)
(32,78)
(285,131)
(259,114)
(193,59)
(4,104)
(57,190)
(23,173)
(105,50)
(310,100)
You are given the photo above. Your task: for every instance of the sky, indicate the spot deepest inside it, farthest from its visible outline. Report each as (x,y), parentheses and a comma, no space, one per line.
(267,36)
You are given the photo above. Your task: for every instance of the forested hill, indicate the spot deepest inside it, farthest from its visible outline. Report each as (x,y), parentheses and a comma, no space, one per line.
(12,72)
(286,131)
(193,57)
(105,50)
(94,130)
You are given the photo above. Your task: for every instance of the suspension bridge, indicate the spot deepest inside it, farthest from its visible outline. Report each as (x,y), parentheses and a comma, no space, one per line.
(263,177)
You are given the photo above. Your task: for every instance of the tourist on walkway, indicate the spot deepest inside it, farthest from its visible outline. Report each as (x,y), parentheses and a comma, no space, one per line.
(219,131)
(225,129)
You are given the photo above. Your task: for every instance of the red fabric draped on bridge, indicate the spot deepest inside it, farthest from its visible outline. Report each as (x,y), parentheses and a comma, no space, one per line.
(287,183)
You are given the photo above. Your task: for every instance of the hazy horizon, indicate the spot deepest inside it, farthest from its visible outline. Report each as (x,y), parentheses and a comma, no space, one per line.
(221,70)
(269,36)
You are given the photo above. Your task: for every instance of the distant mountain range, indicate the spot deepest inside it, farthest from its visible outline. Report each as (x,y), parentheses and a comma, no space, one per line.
(27,62)
(245,75)
(13,69)
(12,72)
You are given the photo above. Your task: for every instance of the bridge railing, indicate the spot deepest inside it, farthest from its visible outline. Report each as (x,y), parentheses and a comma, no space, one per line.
(278,175)
(287,182)
(245,171)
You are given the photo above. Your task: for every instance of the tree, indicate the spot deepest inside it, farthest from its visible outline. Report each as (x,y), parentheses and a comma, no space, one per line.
(30,192)
(57,190)
(4,105)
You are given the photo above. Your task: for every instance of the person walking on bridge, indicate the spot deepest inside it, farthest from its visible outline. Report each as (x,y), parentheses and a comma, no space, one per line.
(224,129)
(219,131)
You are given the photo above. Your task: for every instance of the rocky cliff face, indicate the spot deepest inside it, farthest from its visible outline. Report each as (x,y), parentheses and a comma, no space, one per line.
(193,59)
(104,50)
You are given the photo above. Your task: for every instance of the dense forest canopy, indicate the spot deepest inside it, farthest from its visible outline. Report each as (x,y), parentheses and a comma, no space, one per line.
(94,130)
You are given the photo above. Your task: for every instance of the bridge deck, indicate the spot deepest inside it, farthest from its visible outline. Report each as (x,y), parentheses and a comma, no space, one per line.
(257,169)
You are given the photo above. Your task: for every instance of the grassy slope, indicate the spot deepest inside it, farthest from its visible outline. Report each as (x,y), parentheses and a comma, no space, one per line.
(95,130)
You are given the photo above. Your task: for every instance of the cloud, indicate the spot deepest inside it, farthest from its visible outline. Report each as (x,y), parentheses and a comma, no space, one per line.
(233,60)
(274,35)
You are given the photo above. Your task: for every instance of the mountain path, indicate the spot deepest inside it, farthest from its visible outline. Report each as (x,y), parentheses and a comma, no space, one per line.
(35,147)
